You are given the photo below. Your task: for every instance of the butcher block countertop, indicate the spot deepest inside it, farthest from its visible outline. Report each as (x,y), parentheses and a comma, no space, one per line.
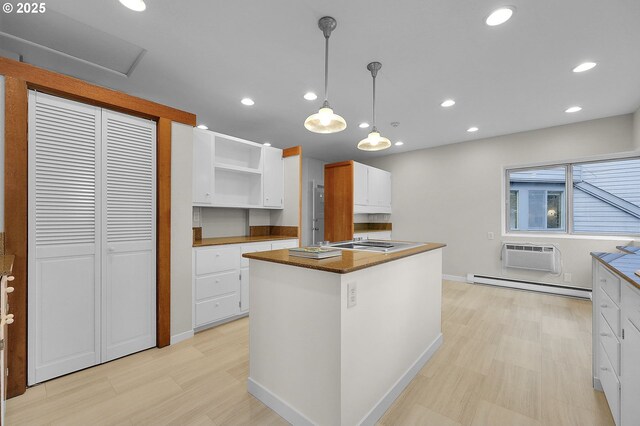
(6,264)
(349,261)
(621,264)
(238,240)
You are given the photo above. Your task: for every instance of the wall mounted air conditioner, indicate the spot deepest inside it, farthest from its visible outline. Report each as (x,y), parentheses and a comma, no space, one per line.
(535,257)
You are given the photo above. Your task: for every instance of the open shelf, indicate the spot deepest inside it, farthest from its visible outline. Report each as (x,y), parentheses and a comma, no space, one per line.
(236,153)
(239,169)
(236,188)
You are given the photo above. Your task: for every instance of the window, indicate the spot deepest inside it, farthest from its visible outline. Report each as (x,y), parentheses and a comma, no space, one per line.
(513,209)
(537,198)
(599,197)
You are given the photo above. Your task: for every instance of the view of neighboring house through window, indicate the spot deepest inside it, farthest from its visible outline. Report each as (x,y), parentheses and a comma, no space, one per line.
(537,199)
(605,198)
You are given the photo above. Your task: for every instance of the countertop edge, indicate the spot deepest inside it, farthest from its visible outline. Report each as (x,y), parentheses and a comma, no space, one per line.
(624,276)
(398,256)
(240,240)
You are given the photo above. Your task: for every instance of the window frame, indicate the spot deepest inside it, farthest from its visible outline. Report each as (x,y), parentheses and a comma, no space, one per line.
(568,232)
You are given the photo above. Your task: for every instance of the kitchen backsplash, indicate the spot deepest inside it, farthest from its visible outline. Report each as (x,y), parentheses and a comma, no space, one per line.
(371,218)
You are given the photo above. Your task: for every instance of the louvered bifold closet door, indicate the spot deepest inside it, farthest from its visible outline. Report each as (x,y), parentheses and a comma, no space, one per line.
(64,261)
(129,234)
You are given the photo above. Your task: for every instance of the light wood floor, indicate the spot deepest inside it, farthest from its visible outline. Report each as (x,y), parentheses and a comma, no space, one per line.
(508,358)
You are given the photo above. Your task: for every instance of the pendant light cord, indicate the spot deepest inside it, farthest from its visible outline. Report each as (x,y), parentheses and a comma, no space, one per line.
(374,103)
(326,71)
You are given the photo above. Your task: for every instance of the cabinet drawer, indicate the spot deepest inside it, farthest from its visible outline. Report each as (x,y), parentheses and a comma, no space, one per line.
(610,311)
(216,259)
(217,309)
(284,244)
(631,304)
(217,285)
(610,384)
(252,248)
(611,345)
(610,284)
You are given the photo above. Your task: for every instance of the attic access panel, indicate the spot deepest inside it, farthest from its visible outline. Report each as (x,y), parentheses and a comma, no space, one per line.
(53,39)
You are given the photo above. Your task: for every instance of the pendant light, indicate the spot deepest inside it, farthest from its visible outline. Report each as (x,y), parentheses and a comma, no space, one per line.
(374,142)
(325,121)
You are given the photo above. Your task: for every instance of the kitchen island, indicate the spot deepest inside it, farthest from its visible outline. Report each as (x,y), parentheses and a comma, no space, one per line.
(335,341)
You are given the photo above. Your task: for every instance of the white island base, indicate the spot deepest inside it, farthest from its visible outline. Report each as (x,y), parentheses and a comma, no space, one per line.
(314,360)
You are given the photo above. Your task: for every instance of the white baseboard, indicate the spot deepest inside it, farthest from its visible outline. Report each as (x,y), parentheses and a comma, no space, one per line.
(454,278)
(272,401)
(392,394)
(560,290)
(181,336)
(293,416)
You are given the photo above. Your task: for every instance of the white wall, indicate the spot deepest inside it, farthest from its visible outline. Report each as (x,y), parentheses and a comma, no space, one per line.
(224,222)
(636,130)
(181,233)
(312,169)
(453,194)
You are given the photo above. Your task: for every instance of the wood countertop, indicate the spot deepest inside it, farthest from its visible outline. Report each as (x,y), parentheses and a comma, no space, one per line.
(622,264)
(6,264)
(350,261)
(238,240)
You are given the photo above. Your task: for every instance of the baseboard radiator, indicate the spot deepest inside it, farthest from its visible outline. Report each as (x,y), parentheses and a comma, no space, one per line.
(583,293)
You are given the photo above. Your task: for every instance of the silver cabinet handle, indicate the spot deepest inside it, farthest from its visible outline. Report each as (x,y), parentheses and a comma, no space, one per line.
(604,334)
(604,305)
(604,369)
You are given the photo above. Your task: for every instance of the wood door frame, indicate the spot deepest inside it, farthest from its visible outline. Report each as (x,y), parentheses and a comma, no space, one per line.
(19,78)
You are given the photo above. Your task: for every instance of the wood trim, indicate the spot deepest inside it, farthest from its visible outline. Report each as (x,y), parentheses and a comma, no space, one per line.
(76,89)
(340,164)
(163,237)
(300,199)
(15,223)
(290,152)
(338,201)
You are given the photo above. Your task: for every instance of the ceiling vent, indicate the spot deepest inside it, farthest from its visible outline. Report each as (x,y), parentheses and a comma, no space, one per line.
(55,41)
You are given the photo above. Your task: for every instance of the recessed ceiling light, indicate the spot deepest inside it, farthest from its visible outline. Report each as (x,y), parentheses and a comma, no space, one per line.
(247,101)
(585,66)
(363,125)
(573,109)
(266,144)
(310,96)
(500,16)
(448,103)
(399,143)
(202,126)
(472,129)
(137,5)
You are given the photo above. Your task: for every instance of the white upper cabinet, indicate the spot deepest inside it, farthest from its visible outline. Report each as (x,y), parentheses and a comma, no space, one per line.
(203,153)
(231,172)
(360,184)
(371,189)
(273,177)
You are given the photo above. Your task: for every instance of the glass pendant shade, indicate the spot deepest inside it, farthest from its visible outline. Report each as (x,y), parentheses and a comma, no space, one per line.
(374,142)
(325,121)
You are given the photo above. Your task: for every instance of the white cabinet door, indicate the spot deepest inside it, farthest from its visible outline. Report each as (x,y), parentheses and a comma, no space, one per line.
(273,178)
(129,230)
(373,187)
(630,354)
(203,172)
(360,184)
(244,290)
(64,247)
(385,189)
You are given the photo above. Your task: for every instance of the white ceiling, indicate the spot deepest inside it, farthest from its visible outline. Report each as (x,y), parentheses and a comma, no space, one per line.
(203,56)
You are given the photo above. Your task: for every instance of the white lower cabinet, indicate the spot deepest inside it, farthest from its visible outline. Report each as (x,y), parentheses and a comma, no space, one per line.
(221,280)
(616,343)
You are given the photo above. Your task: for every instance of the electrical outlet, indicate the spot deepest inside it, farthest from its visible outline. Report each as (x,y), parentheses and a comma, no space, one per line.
(490,235)
(352,295)
(567,277)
